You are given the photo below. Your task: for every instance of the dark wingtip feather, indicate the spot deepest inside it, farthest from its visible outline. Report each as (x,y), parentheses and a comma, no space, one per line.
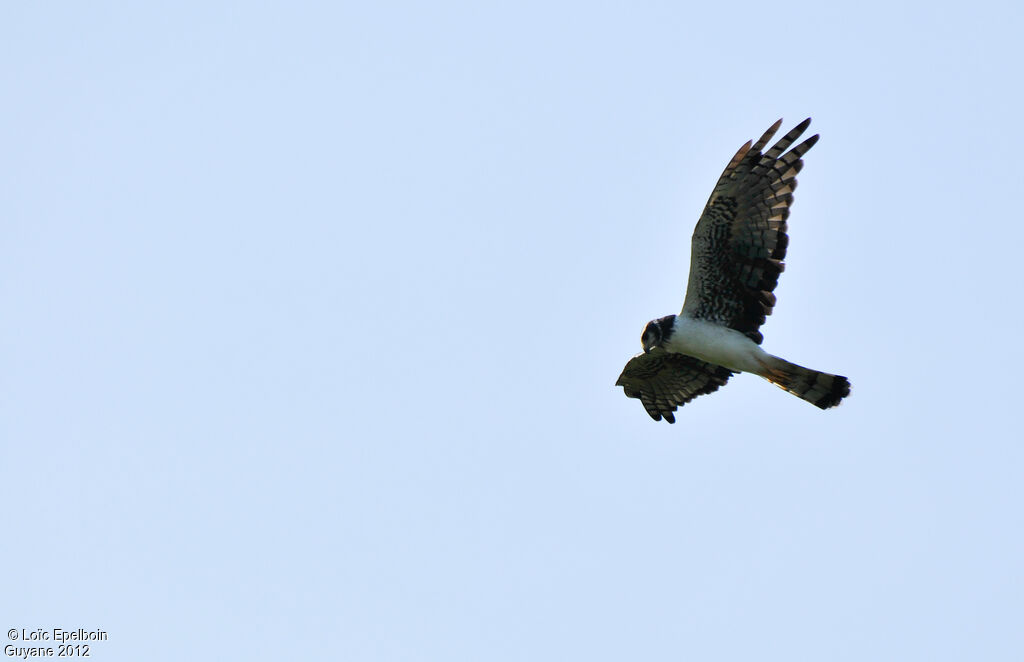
(766,136)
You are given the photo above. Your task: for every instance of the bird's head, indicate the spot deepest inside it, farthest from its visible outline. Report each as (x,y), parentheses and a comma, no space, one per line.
(657,332)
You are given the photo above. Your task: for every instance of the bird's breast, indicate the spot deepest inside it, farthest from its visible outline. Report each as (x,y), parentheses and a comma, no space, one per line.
(716,344)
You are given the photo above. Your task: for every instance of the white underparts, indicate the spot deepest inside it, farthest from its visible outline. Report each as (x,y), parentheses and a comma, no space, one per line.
(717,344)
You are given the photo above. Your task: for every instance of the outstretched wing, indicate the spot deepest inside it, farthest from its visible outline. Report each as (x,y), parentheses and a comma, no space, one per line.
(740,240)
(664,380)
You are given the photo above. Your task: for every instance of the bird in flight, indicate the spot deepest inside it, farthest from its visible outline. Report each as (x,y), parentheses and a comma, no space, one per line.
(736,256)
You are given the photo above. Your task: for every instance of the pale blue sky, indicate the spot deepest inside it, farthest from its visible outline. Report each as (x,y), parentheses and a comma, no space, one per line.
(312,315)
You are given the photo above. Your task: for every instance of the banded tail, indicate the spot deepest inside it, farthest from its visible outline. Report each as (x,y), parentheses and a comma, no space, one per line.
(819,388)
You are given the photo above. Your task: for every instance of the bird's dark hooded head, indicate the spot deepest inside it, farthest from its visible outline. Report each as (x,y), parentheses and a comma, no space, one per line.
(657,332)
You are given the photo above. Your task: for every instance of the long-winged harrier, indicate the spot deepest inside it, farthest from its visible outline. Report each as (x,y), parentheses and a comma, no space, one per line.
(735,260)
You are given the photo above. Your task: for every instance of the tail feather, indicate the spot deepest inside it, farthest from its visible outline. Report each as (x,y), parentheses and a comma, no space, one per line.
(819,388)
